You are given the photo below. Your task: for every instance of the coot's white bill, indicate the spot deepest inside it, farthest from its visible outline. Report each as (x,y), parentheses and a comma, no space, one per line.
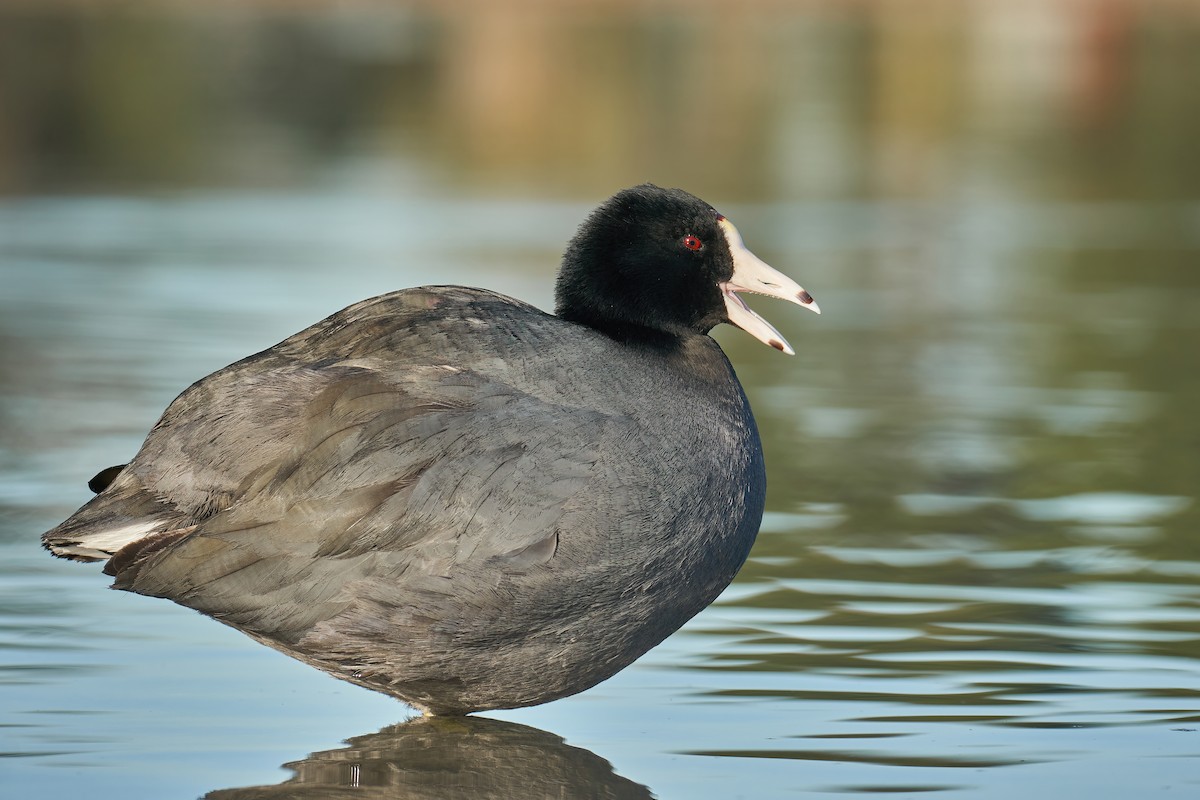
(752,274)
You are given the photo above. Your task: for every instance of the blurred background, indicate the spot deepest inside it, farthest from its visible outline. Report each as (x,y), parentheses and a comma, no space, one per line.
(981,543)
(1082,100)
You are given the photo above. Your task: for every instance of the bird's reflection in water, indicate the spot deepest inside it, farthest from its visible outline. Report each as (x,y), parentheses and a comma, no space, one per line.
(424,759)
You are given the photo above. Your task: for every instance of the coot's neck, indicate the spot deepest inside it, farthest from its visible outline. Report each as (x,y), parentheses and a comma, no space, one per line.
(631,334)
(693,357)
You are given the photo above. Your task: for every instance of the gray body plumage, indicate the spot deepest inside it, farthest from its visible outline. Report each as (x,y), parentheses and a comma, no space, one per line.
(445,495)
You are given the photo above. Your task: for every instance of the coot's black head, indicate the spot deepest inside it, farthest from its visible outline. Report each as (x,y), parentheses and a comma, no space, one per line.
(653,265)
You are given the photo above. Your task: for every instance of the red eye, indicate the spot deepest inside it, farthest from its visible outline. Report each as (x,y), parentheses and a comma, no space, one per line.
(692,242)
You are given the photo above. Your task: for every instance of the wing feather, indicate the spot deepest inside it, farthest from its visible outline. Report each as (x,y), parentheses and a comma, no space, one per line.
(463,485)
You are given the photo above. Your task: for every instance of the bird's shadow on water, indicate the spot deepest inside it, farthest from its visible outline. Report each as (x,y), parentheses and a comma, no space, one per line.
(424,759)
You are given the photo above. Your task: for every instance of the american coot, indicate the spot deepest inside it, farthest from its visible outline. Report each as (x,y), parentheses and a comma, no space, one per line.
(449,496)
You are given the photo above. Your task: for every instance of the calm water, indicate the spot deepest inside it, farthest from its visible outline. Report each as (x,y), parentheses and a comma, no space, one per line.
(979,574)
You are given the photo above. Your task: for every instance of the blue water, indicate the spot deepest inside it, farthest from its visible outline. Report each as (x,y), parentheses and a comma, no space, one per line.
(977,576)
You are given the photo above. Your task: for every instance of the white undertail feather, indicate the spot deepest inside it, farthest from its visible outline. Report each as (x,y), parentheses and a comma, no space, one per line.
(103,543)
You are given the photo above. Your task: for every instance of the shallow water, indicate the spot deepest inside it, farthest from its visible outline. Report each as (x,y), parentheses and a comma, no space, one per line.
(978,572)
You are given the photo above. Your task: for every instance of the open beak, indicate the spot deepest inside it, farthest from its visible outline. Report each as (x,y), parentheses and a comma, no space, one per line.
(751,274)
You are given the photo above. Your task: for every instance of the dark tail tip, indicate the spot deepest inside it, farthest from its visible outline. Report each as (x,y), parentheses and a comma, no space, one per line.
(104,477)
